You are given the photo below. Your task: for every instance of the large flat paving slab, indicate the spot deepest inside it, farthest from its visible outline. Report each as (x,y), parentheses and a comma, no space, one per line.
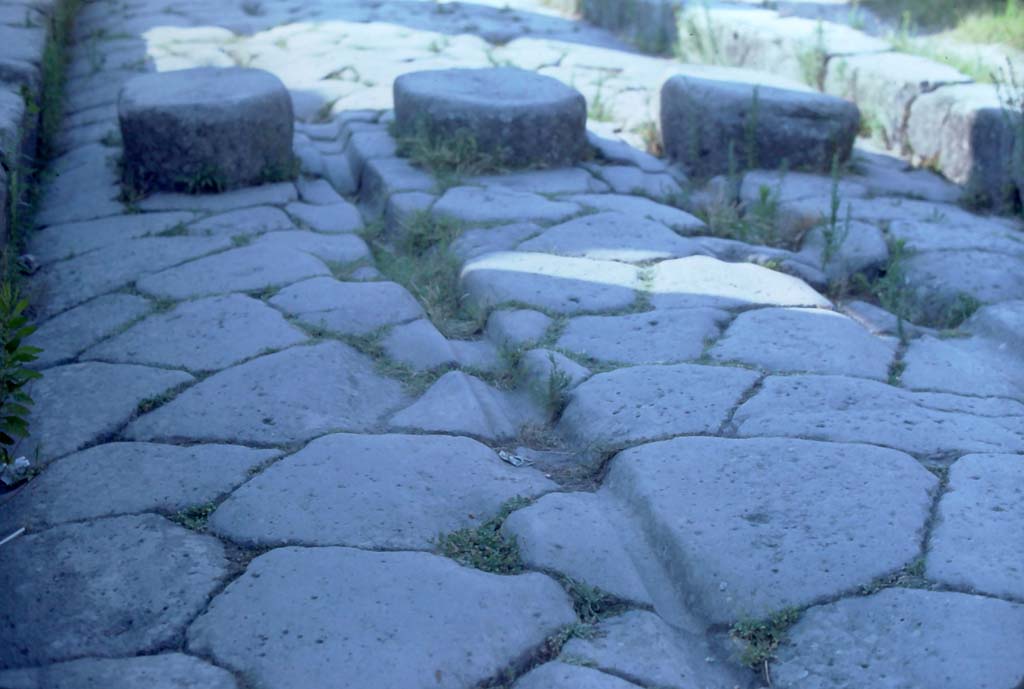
(165,671)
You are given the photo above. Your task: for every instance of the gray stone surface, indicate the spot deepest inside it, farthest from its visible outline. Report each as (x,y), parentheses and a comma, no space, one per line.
(297,394)
(419,345)
(857,247)
(939,278)
(232,126)
(266,194)
(566,180)
(59,242)
(68,595)
(484,240)
(243,222)
(538,365)
(966,366)
(382,492)
(518,327)
(863,642)
(333,218)
(559,675)
(655,337)
(680,221)
(337,251)
(496,205)
(64,337)
(351,308)
(167,671)
(412,619)
(627,179)
(520,117)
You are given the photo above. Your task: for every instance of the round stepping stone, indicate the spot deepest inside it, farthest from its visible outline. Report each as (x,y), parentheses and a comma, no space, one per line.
(205,129)
(521,117)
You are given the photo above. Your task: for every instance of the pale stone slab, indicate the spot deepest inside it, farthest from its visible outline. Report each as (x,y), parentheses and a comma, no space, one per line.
(337,251)
(334,218)
(655,337)
(351,308)
(169,671)
(679,220)
(419,345)
(572,180)
(58,242)
(496,204)
(480,241)
(518,327)
(966,366)
(243,222)
(64,337)
(559,675)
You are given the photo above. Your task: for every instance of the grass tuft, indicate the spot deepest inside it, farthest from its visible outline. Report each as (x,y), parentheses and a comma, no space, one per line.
(485,547)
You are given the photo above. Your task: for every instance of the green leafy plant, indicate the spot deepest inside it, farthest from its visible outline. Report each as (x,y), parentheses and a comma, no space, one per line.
(15,402)
(485,547)
(763,637)
(449,156)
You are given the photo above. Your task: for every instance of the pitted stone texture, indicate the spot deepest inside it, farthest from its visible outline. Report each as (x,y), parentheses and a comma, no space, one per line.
(69,596)
(480,241)
(496,205)
(169,671)
(517,328)
(841,409)
(703,281)
(781,522)
(419,345)
(559,675)
(701,117)
(243,222)
(968,366)
(336,218)
(976,541)
(234,125)
(390,492)
(64,337)
(297,394)
(654,337)
(637,207)
(131,478)
(644,403)
(411,620)
(805,340)
(553,283)
(958,641)
(350,308)
(519,116)
(203,335)
(59,242)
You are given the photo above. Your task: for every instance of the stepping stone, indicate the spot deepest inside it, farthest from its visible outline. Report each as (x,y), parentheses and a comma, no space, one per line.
(635,206)
(798,129)
(559,675)
(496,205)
(976,543)
(204,335)
(862,642)
(381,492)
(384,177)
(782,522)
(294,395)
(477,242)
(64,337)
(553,283)
(348,308)
(446,625)
(228,127)
(517,328)
(131,478)
(644,403)
(419,345)
(78,404)
(73,598)
(59,242)
(335,218)
(264,195)
(168,671)
(702,281)
(805,340)
(243,222)
(655,337)
(965,366)
(840,409)
(520,117)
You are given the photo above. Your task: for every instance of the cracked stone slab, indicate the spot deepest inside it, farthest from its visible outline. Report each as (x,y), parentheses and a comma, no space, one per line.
(67,335)
(350,308)
(643,403)
(412,619)
(297,394)
(862,642)
(266,195)
(58,242)
(967,366)
(496,204)
(559,675)
(245,221)
(384,492)
(334,218)
(682,222)
(841,409)
(748,527)
(167,671)
(69,596)
(203,335)
(655,337)
(976,541)
(805,340)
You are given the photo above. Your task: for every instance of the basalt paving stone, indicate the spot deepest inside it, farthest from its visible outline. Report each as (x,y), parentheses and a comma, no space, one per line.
(168,671)
(59,242)
(64,337)
(351,308)
(810,340)
(559,675)
(335,218)
(748,527)
(480,241)
(644,403)
(976,542)
(655,337)
(246,221)
(573,180)
(390,492)
(518,327)
(636,206)
(203,335)
(410,620)
(337,250)
(130,478)
(266,195)
(318,192)
(905,638)
(627,179)
(966,366)
(537,367)
(843,409)
(501,205)
(419,345)
(297,394)
(68,594)
(941,278)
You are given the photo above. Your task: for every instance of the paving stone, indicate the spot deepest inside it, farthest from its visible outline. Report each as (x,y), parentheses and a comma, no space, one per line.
(242,222)
(618,151)
(478,355)
(965,366)
(277,194)
(131,478)
(538,365)
(1003,324)
(655,337)
(351,308)
(559,675)
(518,327)
(809,340)
(391,492)
(318,192)
(168,671)
(643,403)
(297,394)
(784,186)
(861,249)
(974,544)
(480,241)
(204,335)
(337,250)
(338,171)
(612,236)
(626,179)
(841,409)
(59,242)
(403,207)
(698,281)
(861,642)
(495,205)
(553,283)
(938,279)
(64,337)
(978,233)
(782,522)
(69,596)
(330,218)
(441,619)
(381,178)
(572,180)
(680,221)
(881,174)
(419,345)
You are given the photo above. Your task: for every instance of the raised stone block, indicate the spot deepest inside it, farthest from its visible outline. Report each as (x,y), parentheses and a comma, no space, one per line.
(205,129)
(713,126)
(519,117)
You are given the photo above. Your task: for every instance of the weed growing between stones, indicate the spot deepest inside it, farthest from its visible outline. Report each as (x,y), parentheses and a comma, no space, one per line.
(591,603)
(14,375)
(195,517)
(835,232)
(891,287)
(485,547)
(599,108)
(448,157)
(763,637)
(812,59)
(911,576)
